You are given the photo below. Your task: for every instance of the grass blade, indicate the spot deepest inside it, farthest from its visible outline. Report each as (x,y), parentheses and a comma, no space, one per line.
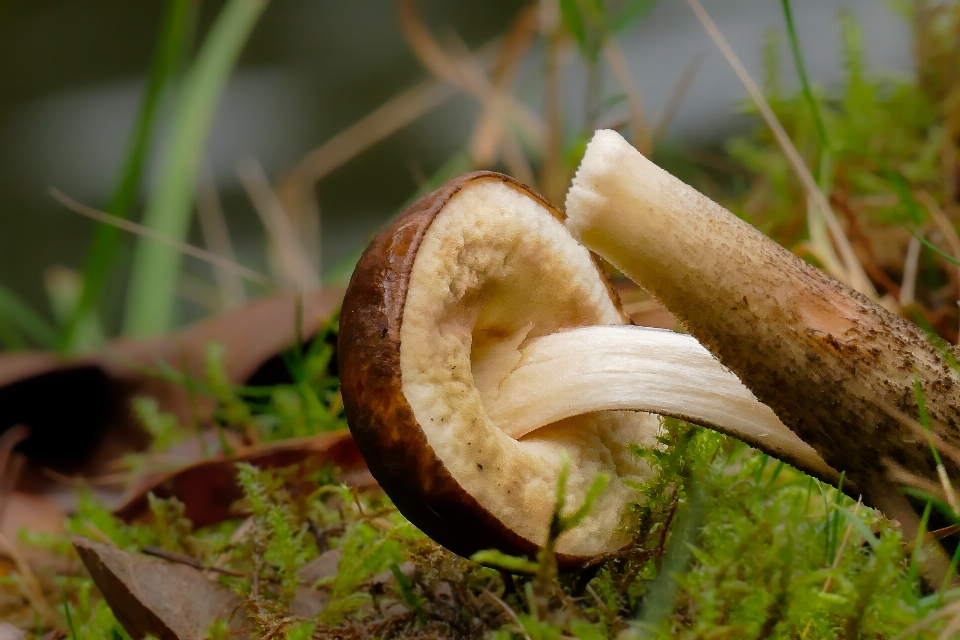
(25,319)
(802,74)
(152,293)
(854,275)
(179,16)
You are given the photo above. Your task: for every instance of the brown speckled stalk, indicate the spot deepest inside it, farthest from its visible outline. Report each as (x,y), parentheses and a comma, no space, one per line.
(381,420)
(818,353)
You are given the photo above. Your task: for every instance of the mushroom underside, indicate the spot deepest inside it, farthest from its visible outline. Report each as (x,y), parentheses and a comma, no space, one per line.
(481,344)
(496,269)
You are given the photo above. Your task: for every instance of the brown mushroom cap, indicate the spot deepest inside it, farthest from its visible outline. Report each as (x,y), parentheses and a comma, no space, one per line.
(432,319)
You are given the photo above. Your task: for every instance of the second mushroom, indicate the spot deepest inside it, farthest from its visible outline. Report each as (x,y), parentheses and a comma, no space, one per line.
(480,343)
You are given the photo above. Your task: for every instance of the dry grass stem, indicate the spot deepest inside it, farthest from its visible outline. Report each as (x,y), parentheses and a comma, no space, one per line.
(904,478)
(489,130)
(288,257)
(951,451)
(944,225)
(29,585)
(216,235)
(950,609)
(910,266)
(201,292)
(677,94)
(853,274)
(642,139)
(951,629)
(383,121)
(843,547)
(508,611)
(819,245)
(464,75)
(516,160)
(146,232)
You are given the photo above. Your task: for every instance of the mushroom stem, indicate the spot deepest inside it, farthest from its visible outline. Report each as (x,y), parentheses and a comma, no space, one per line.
(827,360)
(600,368)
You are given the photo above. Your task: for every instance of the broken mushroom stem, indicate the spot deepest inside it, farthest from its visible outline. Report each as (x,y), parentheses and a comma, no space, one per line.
(480,345)
(818,353)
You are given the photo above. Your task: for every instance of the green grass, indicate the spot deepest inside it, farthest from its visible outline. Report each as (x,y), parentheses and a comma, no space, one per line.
(151,301)
(173,44)
(725,545)
(18,321)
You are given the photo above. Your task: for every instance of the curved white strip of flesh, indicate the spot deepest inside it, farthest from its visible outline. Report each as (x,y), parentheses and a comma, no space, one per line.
(639,369)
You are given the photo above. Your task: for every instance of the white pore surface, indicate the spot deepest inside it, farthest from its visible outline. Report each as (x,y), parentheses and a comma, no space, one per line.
(495,269)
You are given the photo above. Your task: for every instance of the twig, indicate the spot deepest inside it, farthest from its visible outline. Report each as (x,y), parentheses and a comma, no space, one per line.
(854,274)
(146,232)
(190,561)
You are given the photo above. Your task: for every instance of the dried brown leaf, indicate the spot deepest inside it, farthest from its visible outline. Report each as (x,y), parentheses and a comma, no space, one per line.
(152,597)
(90,420)
(208,488)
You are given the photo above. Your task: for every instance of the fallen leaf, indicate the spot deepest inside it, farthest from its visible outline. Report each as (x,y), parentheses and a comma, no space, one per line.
(208,488)
(37,513)
(10,632)
(152,597)
(309,602)
(325,565)
(77,407)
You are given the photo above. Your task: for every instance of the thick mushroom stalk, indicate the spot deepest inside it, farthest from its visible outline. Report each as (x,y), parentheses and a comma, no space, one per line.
(830,362)
(480,344)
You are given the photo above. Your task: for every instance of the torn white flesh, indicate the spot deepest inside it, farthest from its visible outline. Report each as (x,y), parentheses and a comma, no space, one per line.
(603,368)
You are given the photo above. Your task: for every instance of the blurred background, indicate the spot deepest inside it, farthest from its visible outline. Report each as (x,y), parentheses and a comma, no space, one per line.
(73,76)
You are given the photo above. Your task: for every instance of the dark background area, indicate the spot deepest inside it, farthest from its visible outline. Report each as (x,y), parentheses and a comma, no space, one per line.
(71,73)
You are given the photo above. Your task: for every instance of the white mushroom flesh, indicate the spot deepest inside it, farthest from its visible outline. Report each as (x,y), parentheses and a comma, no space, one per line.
(495,263)
(636,368)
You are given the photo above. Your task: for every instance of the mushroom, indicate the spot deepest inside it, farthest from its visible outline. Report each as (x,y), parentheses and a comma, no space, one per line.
(839,369)
(480,344)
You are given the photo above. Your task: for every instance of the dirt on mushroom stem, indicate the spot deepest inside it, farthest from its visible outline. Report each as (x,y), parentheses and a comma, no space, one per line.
(828,360)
